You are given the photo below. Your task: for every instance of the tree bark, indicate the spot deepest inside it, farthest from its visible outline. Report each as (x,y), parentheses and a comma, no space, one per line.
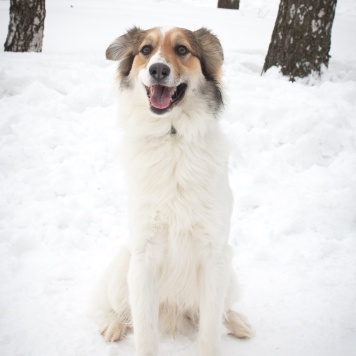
(301,38)
(229,4)
(26,26)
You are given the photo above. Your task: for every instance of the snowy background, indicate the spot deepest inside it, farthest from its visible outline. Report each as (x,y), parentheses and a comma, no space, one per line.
(63,196)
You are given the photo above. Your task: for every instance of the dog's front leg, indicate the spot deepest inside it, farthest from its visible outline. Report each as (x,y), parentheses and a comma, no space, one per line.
(212,294)
(143,293)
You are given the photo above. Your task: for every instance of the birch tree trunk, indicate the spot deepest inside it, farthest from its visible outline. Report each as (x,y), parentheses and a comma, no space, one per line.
(26,26)
(301,38)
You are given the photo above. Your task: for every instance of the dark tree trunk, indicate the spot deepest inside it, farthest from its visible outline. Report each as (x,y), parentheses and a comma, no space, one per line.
(301,37)
(26,26)
(229,4)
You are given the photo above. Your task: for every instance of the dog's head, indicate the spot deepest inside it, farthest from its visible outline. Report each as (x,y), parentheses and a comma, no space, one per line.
(171,67)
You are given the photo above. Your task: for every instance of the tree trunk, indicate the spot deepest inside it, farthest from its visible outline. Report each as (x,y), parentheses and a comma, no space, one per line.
(301,37)
(229,4)
(26,26)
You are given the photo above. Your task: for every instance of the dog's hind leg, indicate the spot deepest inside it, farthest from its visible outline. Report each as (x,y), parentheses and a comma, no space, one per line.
(237,325)
(114,328)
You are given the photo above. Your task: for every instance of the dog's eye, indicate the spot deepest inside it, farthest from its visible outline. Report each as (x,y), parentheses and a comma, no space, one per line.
(146,50)
(181,50)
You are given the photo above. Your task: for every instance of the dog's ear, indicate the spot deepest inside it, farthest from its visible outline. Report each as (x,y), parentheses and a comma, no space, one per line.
(124,49)
(211,53)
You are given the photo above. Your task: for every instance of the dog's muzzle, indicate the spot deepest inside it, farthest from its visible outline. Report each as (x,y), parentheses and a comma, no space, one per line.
(162,98)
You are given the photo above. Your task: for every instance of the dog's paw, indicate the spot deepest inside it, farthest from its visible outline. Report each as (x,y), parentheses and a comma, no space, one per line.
(237,325)
(114,330)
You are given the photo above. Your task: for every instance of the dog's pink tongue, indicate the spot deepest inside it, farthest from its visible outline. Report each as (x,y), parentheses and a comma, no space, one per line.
(160,96)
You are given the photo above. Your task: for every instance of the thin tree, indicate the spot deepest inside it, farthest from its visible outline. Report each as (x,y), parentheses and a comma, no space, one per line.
(26,26)
(229,4)
(301,37)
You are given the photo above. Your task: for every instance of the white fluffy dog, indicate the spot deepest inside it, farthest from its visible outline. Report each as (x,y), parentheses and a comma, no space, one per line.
(175,270)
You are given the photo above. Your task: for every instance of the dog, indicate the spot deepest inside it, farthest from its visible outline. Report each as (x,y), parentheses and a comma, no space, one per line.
(174,272)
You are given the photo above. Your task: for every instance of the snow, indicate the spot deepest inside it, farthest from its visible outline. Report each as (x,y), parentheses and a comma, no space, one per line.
(63,194)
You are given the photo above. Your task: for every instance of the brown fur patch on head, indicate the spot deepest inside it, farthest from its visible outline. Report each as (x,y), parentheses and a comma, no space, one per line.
(151,38)
(181,64)
(210,53)
(202,45)
(125,48)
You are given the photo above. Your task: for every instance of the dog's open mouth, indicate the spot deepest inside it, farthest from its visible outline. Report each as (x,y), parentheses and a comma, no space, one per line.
(163,98)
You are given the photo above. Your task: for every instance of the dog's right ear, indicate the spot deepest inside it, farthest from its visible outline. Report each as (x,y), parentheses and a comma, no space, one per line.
(124,49)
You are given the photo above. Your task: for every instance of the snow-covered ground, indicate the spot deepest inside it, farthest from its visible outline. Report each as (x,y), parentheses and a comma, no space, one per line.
(63,196)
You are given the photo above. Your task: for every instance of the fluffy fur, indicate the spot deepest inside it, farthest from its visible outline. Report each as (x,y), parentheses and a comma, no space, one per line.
(174,273)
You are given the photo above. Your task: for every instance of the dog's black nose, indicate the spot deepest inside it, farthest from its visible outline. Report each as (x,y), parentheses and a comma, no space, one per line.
(159,71)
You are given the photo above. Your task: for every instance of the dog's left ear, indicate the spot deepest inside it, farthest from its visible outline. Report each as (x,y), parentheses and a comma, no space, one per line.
(211,53)
(124,49)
